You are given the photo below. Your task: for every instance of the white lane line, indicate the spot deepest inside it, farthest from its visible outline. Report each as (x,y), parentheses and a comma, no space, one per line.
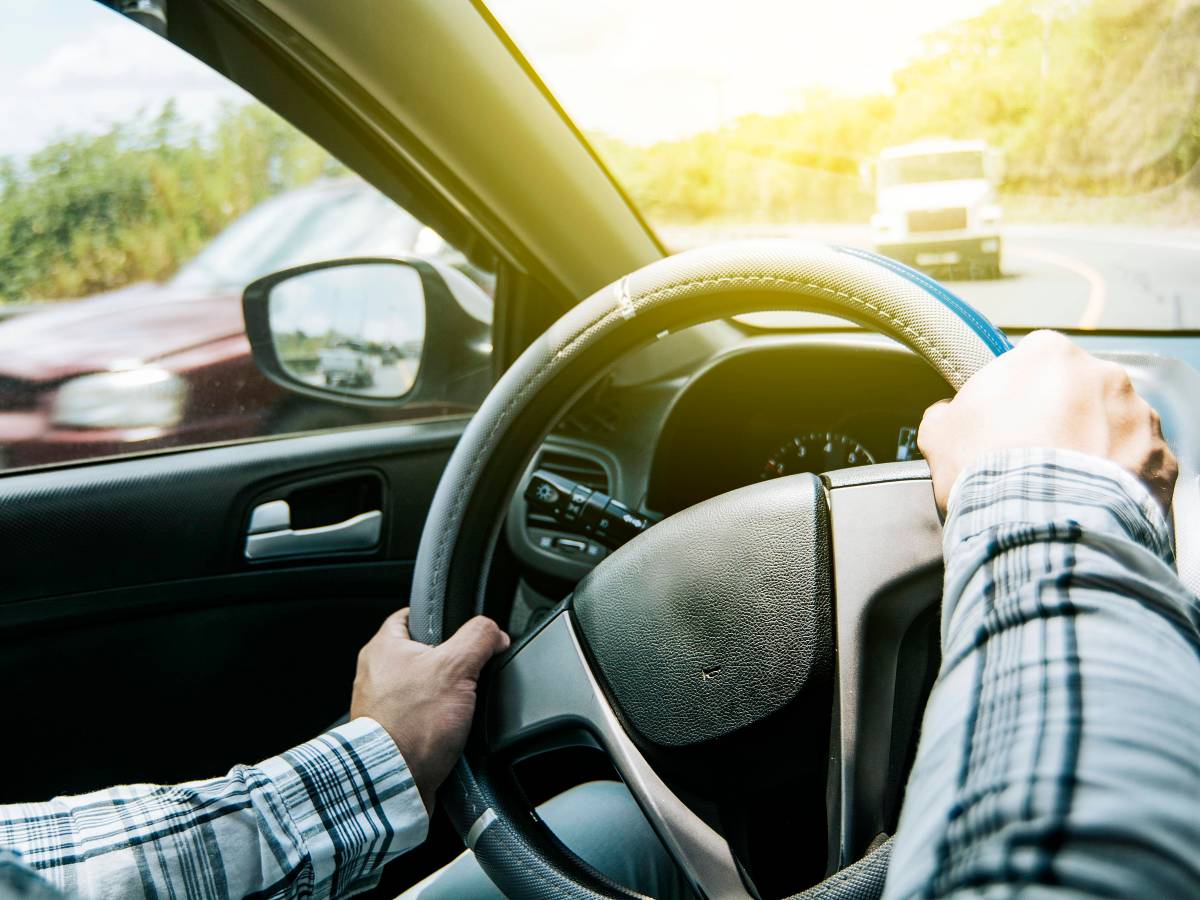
(1097,290)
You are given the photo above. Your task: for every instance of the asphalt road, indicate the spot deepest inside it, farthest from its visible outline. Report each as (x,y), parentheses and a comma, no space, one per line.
(1059,276)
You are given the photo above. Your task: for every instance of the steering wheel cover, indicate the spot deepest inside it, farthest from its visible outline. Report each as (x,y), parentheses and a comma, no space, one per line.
(465,517)
(856,284)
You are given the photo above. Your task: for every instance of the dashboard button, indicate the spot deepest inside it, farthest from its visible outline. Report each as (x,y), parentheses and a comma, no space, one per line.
(622,523)
(906,444)
(548,493)
(584,510)
(579,498)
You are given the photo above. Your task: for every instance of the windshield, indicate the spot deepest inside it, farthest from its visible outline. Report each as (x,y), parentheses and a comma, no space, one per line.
(932,167)
(1077,204)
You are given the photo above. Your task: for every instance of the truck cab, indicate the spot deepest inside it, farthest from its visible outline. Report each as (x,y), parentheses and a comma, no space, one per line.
(345,365)
(936,206)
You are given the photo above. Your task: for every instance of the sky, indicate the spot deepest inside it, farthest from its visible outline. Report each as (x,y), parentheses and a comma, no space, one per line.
(643,70)
(74,65)
(647,70)
(383,303)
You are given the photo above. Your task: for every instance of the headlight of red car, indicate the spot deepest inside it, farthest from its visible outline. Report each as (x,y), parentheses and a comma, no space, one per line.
(145,397)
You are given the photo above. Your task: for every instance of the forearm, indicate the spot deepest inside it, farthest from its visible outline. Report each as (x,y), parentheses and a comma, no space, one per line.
(317,821)
(1061,743)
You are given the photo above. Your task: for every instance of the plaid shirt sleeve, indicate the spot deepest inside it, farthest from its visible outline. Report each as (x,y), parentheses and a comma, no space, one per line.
(318,821)
(1060,750)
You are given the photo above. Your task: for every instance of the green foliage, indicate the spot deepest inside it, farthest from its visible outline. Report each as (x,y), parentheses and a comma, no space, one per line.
(1086,97)
(95,212)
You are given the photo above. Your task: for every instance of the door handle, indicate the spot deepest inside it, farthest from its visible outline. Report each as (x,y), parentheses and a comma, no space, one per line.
(271,535)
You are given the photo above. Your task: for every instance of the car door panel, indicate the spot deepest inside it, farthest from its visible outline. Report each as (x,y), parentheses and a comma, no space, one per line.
(180,516)
(149,648)
(183,694)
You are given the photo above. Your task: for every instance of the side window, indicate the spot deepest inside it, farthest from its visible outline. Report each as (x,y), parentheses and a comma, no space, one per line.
(140,193)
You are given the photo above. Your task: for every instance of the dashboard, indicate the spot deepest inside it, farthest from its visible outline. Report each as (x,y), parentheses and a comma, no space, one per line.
(721,406)
(763,412)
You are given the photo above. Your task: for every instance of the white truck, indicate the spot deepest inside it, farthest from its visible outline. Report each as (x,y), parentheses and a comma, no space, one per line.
(936,206)
(346,366)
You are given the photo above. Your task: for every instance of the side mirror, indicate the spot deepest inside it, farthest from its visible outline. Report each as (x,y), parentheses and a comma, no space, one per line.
(357,330)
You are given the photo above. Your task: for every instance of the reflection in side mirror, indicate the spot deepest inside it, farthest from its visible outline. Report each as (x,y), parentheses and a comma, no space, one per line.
(355,329)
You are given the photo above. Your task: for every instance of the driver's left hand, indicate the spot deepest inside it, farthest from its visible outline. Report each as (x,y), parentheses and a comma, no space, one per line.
(423,696)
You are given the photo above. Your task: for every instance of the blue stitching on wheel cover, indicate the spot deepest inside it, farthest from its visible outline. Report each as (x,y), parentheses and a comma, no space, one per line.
(996,340)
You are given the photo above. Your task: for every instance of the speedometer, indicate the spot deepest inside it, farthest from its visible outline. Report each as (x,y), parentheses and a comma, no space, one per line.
(817,451)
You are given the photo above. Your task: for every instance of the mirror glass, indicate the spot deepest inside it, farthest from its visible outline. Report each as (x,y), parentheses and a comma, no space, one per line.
(355,329)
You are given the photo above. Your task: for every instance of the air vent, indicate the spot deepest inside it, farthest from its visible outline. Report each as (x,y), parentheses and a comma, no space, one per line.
(596,419)
(580,469)
(598,414)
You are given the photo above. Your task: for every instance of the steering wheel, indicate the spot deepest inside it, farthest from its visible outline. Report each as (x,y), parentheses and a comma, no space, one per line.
(720,643)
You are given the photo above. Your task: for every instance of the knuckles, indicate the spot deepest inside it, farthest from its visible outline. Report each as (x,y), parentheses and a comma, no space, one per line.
(483,627)
(1045,343)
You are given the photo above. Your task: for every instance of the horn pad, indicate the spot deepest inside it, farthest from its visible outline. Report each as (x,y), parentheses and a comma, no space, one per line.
(717,617)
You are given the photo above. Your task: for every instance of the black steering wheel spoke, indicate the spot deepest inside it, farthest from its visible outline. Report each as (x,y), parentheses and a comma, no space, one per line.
(545,688)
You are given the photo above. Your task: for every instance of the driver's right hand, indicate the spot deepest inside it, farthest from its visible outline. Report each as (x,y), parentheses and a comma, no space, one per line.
(1047,393)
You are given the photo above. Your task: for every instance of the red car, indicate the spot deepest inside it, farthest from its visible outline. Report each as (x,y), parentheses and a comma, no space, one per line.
(158,365)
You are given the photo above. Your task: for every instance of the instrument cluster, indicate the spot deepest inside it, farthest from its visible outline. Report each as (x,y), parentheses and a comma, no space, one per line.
(824,451)
(781,411)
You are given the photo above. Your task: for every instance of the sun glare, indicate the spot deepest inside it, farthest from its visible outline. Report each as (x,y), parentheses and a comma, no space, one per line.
(947,134)
(649,71)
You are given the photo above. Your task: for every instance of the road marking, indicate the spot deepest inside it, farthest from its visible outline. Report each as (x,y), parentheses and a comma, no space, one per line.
(1097,290)
(1145,238)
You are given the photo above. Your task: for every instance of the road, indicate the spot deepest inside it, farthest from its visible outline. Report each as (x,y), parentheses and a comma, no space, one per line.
(1057,276)
(390,380)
